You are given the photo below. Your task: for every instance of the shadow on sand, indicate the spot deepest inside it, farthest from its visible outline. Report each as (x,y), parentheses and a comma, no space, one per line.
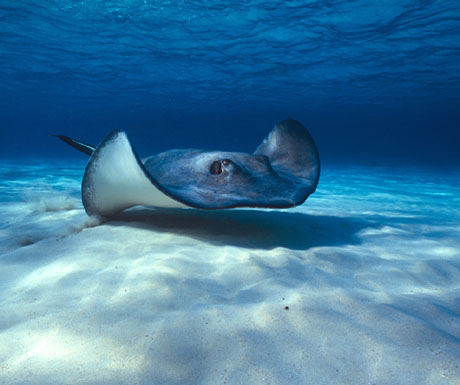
(247,228)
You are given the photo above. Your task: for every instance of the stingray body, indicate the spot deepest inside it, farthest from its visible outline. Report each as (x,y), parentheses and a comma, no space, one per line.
(282,172)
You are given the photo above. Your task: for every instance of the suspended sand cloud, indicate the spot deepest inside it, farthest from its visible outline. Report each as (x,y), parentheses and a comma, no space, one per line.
(349,287)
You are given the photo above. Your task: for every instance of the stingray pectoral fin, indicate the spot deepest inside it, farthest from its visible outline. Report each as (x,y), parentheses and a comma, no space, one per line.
(115,179)
(293,154)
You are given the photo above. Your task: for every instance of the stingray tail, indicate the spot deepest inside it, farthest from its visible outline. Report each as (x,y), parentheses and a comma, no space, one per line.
(80,146)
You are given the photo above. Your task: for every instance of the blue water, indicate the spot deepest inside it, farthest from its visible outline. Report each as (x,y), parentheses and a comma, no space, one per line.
(375,82)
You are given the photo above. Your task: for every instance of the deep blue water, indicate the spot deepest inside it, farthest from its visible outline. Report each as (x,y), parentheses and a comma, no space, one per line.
(375,82)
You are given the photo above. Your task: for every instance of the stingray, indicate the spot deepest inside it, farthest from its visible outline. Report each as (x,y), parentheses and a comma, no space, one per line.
(282,172)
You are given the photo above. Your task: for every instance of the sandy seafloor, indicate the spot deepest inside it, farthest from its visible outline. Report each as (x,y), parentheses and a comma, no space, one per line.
(369,268)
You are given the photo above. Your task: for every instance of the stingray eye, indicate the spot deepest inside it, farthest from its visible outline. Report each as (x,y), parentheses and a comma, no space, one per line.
(216,168)
(226,162)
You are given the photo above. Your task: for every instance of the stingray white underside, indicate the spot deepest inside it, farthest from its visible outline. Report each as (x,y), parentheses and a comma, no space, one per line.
(115,179)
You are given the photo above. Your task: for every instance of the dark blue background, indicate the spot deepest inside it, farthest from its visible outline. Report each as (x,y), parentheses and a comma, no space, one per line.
(375,82)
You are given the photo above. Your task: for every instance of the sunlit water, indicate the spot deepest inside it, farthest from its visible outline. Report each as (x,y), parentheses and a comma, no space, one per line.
(373,81)
(314,50)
